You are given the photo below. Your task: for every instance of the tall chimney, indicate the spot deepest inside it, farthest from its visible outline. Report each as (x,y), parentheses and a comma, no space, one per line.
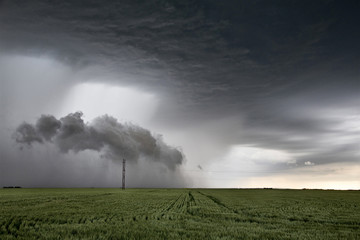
(123,174)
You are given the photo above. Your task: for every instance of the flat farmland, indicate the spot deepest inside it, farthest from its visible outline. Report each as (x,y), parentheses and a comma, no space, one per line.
(179,214)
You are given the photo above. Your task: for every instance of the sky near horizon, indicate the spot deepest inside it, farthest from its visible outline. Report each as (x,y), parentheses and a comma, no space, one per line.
(197,93)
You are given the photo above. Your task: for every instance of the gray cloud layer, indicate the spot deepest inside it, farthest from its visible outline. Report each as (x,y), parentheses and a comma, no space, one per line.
(280,75)
(105,134)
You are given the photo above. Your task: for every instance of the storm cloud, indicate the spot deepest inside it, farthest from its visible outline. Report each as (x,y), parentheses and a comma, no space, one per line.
(105,134)
(248,86)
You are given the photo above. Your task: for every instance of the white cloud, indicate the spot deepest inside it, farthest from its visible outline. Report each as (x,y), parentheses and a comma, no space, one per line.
(308,163)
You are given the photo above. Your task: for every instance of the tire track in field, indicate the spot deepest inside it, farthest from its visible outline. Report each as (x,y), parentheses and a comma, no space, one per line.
(178,208)
(218,203)
(194,204)
(175,205)
(172,210)
(181,204)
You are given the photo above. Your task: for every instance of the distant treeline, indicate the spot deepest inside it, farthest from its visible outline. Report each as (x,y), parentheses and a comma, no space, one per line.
(11,187)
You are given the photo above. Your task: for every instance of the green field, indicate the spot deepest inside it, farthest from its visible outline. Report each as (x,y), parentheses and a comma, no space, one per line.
(179,214)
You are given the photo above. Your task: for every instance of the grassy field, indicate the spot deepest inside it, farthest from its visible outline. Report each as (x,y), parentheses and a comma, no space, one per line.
(178,214)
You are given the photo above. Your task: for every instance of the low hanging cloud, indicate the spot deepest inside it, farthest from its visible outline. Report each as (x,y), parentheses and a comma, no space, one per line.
(308,163)
(112,139)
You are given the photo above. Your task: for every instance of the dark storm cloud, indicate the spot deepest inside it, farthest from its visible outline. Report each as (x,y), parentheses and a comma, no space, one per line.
(105,134)
(273,65)
(26,133)
(340,153)
(253,48)
(47,126)
(307,131)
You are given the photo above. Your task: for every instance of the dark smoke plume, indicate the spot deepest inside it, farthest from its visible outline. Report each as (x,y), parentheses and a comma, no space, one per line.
(104,134)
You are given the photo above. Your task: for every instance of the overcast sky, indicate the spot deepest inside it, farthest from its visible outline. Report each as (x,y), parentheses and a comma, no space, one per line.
(250,93)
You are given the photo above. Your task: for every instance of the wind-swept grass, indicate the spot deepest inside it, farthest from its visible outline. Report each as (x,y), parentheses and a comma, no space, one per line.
(178,214)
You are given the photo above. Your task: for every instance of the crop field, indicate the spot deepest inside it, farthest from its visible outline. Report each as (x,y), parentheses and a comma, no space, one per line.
(179,214)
